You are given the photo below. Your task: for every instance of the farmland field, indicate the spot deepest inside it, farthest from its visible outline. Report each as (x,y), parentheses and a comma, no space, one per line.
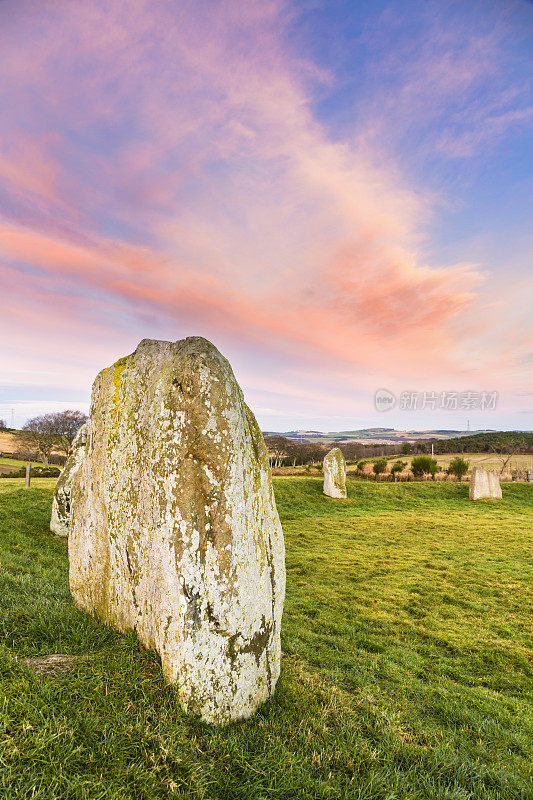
(12,464)
(489,461)
(8,485)
(406,671)
(9,442)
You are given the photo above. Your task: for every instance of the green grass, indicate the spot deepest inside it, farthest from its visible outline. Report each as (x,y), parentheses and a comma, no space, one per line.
(9,465)
(14,484)
(16,462)
(405,669)
(13,462)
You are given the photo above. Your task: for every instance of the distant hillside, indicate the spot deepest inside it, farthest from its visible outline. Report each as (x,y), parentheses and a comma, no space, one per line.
(368,431)
(9,441)
(370,435)
(286,451)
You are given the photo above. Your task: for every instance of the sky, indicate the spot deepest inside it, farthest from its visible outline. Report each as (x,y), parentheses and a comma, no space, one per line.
(337,194)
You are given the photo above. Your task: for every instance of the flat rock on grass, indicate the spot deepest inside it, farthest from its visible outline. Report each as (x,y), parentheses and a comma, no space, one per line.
(53,664)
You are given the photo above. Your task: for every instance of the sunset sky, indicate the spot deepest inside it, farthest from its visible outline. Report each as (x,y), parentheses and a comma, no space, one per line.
(336,194)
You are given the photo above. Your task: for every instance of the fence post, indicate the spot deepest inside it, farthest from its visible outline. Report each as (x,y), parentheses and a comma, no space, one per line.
(28,474)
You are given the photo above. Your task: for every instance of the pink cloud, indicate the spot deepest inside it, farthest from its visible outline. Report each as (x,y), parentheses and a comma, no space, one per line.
(190,183)
(355,310)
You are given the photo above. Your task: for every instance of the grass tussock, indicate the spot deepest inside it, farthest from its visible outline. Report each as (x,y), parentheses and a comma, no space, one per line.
(406,667)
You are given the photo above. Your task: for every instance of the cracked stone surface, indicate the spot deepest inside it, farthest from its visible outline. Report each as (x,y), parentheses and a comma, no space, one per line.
(484,485)
(334,469)
(174,530)
(59,522)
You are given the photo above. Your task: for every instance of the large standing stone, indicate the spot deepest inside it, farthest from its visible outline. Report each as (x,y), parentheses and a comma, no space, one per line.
(61,502)
(484,485)
(334,468)
(174,529)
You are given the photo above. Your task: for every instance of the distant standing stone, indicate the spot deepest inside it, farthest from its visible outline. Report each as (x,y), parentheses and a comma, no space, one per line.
(484,485)
(334,468)
(174,530)
(61,503)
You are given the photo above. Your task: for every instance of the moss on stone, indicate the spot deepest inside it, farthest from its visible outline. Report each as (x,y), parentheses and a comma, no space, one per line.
(182,512)
(334,467)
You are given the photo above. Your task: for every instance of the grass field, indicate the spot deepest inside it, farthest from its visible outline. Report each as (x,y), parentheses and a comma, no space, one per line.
(9,485)
(11,462)
(489,461)
(10,466)
(405,670)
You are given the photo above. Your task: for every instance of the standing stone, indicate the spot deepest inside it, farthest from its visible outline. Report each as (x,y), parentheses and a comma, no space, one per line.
(484,485)
(334,468)
(61,503)
(174,530)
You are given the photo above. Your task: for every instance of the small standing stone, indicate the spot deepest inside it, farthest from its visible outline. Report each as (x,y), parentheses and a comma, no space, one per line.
(61,503)
(334,468)
(484,485)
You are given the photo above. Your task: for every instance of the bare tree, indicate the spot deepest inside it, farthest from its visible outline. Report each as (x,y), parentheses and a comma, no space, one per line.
(506,451)
(52,432)
(278,448)
(310,453)
(352,451)
(66,424)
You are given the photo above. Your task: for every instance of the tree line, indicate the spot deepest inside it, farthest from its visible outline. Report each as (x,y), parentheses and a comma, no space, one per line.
(510,442)
(48,437)
(284,452)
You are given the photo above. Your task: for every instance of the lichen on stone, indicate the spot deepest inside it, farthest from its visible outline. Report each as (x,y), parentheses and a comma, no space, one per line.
(59,522)
(334,469)
(175,532)
(484,485)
